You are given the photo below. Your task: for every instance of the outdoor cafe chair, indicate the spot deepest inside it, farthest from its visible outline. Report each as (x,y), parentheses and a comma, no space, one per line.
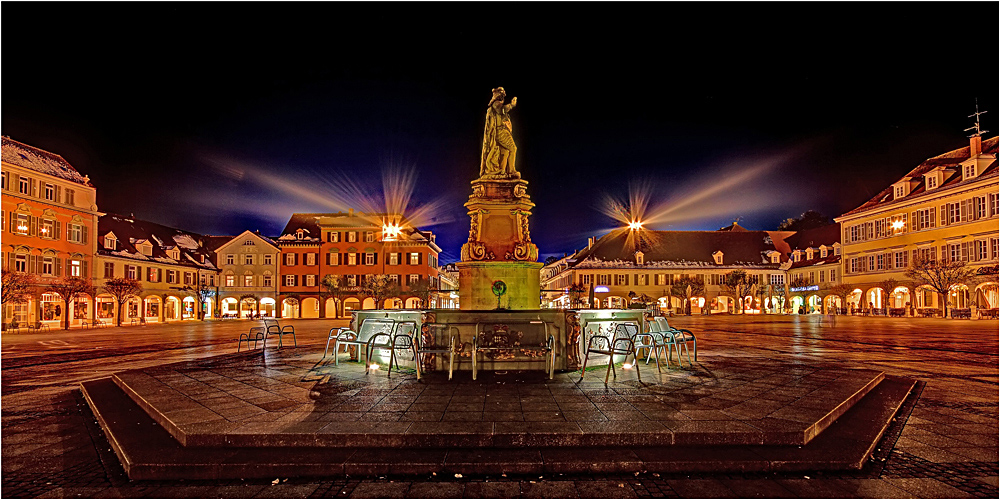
(682,337)
(256,334)
(347,337)
(272,328)
(619,345)
(402,338)
(424,349)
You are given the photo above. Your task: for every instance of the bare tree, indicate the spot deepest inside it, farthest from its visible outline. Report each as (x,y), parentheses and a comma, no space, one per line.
(422,291)
(688,287)
(576,291)
(740,284)
(842,290)
(380,287)
(333,285)
(122,288)
(940,275)
(72,289)
(16,286)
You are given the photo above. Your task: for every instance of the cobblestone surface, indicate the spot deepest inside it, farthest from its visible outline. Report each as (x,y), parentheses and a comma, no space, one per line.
(944,443)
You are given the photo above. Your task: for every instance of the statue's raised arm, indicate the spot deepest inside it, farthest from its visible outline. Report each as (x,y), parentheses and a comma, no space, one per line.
(499,150)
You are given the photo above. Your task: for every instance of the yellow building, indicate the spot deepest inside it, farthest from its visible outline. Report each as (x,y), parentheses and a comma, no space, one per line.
(945,208)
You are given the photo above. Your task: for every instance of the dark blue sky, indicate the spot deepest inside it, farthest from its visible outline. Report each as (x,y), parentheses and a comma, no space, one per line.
(221,117)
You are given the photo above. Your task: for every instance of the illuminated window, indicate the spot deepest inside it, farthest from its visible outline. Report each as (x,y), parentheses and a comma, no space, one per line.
(369,259)
(310,280)
(48,229)
(352,259)
(660,279)
(393,259)
(414,258)
(248,280)
(369,236)
(21,223)
(352,236)
(76,268)
(289,280)
(310,259)
(230,280)
(333,237)
(414,279)
(21,263)
(352,280)
(152,274)
(642,280)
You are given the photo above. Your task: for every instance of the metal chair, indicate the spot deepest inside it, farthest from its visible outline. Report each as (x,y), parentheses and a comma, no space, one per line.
(256,333)
(492,341)
(681,338)
(272,328)
(347,337)
(620,345)
(402,338)
(424,349)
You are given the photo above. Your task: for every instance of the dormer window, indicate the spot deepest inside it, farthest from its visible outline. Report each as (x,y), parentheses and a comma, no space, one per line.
(797,256)
(899,191)
(248,243)
(775,257)
(639,258)
(299,234)
(144,247)
(110,242)
(823,252)
(968,171)
(810,253)
(932,182)
(174,254)
(718,257)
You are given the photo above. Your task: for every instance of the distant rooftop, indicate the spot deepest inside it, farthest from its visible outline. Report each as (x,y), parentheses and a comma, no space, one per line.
(39,160)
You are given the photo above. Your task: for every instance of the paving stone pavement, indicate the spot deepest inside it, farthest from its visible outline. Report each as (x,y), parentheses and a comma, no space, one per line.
(943,444)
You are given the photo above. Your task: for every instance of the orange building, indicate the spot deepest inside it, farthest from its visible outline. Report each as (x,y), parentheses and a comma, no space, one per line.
(354,246)
(49,219)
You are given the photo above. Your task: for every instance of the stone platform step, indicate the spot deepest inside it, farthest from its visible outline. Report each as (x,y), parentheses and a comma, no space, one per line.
(147,451)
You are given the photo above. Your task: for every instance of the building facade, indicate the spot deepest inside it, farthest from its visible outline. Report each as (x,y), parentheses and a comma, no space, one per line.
(175,268)
(49,217)
(353,247)
(248,275)
(946,208)
(814,270)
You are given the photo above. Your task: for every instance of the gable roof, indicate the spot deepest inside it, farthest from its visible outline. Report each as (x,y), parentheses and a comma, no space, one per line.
(39,160)
(813,238)
(950,159)
(130,231)
(217,243)
(683,249)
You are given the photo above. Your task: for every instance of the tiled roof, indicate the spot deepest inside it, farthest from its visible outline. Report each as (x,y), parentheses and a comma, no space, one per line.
(683,248)
(829,259)
(39,160)
(949,159)
(813,238)
(129,231)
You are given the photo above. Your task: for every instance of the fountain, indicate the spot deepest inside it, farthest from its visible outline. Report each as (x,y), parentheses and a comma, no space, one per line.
(499,284)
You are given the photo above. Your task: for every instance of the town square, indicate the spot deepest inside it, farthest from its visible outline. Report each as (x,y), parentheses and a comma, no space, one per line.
(387,259)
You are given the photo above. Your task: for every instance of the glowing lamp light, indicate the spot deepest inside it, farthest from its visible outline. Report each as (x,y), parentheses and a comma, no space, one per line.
(635,225)
(627,366)
(897,225)
(601,289)
(390,232)
(373,366)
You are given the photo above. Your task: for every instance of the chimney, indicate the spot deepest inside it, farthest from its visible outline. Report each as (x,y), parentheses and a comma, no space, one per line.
(350,212)
(590,242)
(975,146)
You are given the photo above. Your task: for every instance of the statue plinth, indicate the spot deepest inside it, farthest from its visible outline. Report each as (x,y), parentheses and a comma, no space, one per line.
(499,247)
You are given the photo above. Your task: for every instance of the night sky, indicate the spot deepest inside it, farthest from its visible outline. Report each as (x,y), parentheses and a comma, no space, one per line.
(221,117)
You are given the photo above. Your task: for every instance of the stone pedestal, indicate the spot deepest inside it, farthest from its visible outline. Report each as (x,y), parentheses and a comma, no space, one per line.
(499,247)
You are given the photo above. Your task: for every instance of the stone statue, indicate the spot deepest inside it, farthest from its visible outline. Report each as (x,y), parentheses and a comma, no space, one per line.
(499,150)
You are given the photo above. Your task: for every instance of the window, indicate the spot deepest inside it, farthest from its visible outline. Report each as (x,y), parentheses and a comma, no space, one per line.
(812,277)
(982,252)
(394,278)
(171,276)
(70,197)
(48,265)
(289,259)
(267,260)
(880,259)
(394,259)
(310,259)
(310,280)
(585,279)
(352,280)
(994,202)
(267,280)
(778,279)
(230,280)
(188,279)
(954,213)
(50,192)
(248,243)
(855,265)
(211,280)
(76,268)
(978,208)
(23,221)
(248,280)
(660,279)
(24,185)
(932,182)
(352,259)
(48,229)
(899,192)
(833,275)
(642,280)
(369,236)
(901,260)
(3,180)
(993,248)
(924,218)
(333,237)
(414,279)
(248,259)
(603,279)
(152,274)
(75,234)
(230,259)
(21,263)
(289,280)
(109,269)
(131,272)
(970,171)
(621,280)
(110,243)
(414,258)
(822,276)
(369,259)
(823,252)
(352,236)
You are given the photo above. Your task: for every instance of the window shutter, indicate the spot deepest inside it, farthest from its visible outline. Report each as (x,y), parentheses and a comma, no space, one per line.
(932,217)
(85,274)
(138,272)
(420,259)
(84,230)
(58,194)
(964,210)
(34,188)
(944,253)
(914,221)
(965,251)
(31,264)
(376,259)
(944,214)
(58,266)
(32,226)
(16,185)
(58,229)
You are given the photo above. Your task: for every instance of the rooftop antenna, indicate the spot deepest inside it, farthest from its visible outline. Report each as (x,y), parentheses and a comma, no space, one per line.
(978,130)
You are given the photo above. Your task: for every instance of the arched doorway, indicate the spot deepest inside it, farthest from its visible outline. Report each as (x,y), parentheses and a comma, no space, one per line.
(248,306)
(986,296)
(171,309)
(798,303)
(132,310)
(393,303)
(899,298)
(290,308)
(874,299)
(229,308)
(833,302)
(723,304)
(958,297)
(814,304)
(413,303)
(310,307)
(52,309)
(331,308)
(351,304)
(267,307)
(189,309)
(151,309)
(369,303)
(854,301)
(615,302)
(105,307)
